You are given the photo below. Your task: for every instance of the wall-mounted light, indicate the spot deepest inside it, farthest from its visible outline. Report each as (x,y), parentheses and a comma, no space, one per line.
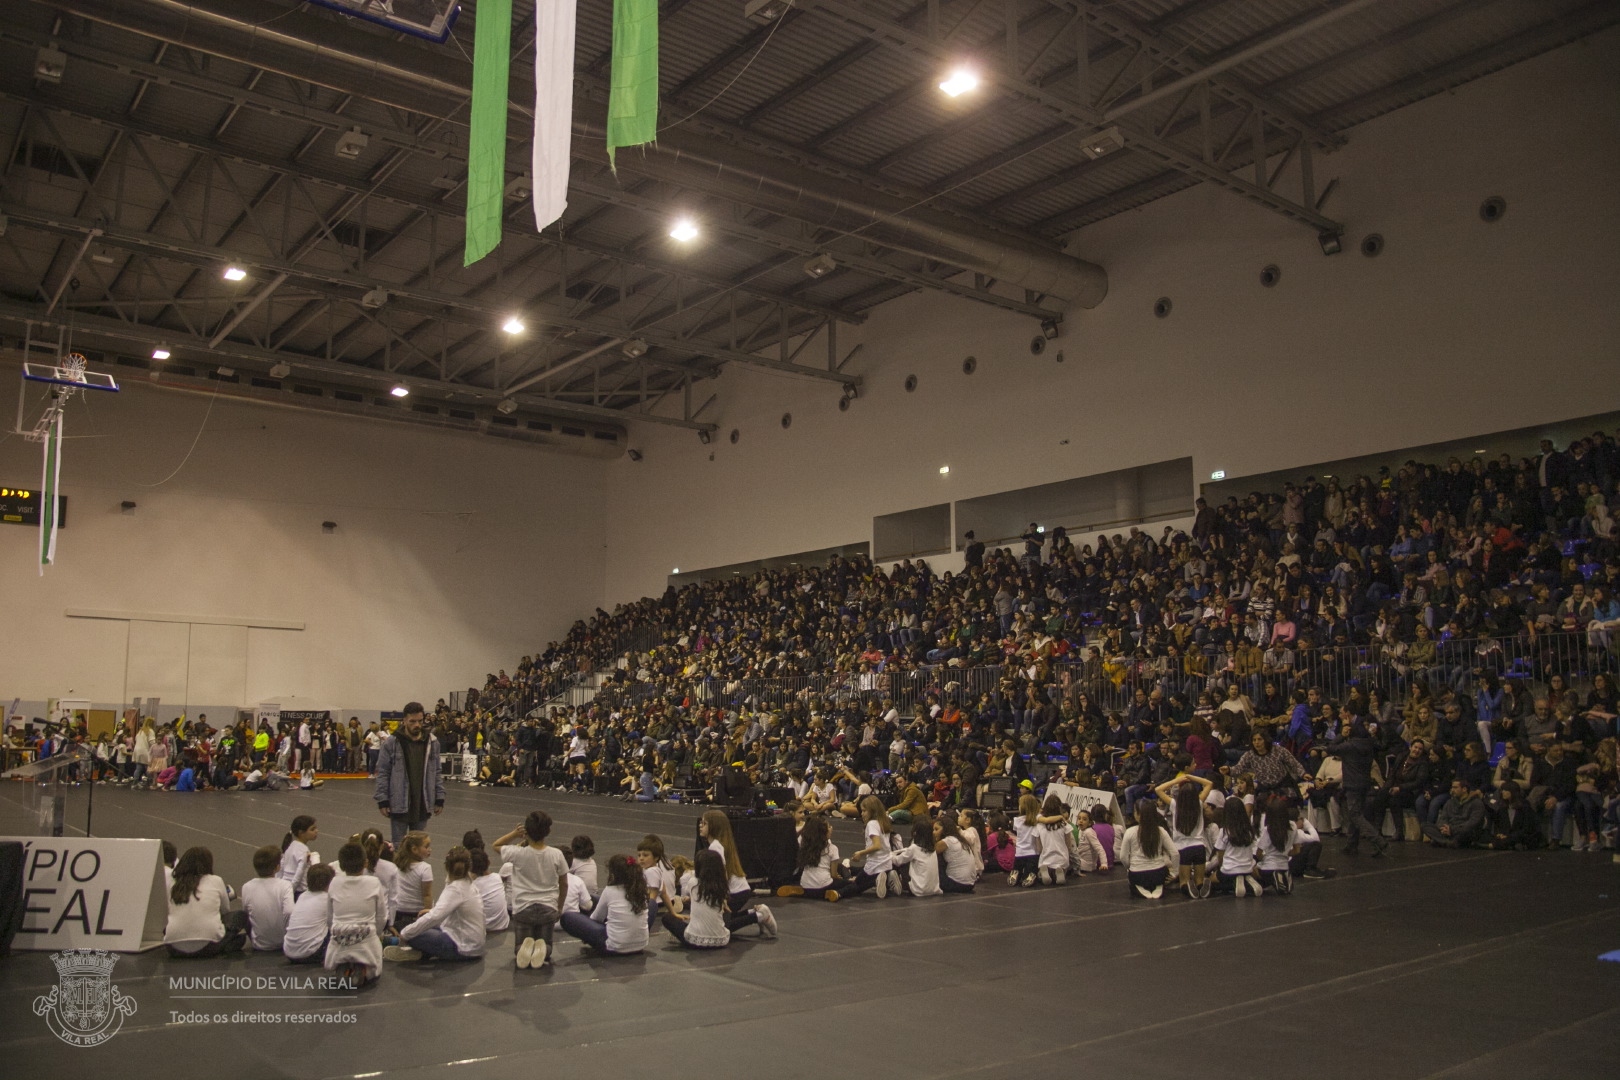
(635,455)
(1218,474)
(280,371)
(160,353)
(400,390)
(944,470)
(506,406)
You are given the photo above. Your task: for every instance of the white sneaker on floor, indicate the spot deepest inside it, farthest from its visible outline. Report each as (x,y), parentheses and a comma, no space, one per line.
(767,921)
(1061,877)
(402,953)
(525,952)
(537,955)
(895,886)
(882,885)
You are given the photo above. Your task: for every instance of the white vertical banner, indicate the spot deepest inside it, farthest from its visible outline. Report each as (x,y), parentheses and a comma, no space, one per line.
(553,107)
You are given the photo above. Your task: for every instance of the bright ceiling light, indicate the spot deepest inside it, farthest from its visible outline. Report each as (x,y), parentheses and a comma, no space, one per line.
(684,229)
(234,273)
(400,390)
(513,325)
(160,353)
(960,82)
(944,470)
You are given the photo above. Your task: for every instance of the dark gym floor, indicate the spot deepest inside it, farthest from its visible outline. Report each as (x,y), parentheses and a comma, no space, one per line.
(1420,964)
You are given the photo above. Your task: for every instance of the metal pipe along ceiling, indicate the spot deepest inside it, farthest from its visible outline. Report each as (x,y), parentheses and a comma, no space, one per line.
(304,46)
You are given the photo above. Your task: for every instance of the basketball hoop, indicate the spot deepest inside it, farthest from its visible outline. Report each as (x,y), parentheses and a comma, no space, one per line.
(68,376)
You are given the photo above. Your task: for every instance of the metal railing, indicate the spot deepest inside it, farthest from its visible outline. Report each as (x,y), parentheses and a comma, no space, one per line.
(1390,671)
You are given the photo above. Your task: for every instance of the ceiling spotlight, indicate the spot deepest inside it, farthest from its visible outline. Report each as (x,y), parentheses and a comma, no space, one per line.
(1332,242)
(850,393)
(1103,143)
(944,470)
(1049,327)
(506,406)
(633,348)
(280,371)
(234,273)
(705,438)
(765,11)
(676,570)
(960,82)
(513,325)
(160,353)
(520,187)
(374,299)
(49,63)
(820,265)
(350,143)
(684,229)
(635,455)
(400,390)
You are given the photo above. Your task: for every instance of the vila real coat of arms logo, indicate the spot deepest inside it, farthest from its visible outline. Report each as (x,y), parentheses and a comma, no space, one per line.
(84,1008)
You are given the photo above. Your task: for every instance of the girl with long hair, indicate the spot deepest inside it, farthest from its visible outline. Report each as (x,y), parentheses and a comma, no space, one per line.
(703,926)
(1234,850)
(617,926)
(1147,852)
(876,870)
(818,855)
(1279,843)
(998,843)
(921,859)
(1185,816)
(1026,859)
(958,861)
(453,929)
(715,827)
(1055,842)
(201,922)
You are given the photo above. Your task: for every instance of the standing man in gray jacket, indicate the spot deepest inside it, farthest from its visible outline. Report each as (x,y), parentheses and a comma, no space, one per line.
(410,787)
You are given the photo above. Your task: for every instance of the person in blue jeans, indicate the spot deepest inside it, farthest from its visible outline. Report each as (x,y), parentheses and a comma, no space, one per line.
(409,786)
(453,929)
(618,924)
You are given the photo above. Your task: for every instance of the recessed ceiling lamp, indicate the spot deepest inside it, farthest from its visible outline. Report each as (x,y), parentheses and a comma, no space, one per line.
(960,82)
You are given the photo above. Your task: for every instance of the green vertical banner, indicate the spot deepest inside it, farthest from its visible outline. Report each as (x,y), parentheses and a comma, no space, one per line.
(486,141)
(633,97)
(48,488)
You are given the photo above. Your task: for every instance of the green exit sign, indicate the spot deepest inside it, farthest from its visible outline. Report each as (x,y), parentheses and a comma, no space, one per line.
(20,506)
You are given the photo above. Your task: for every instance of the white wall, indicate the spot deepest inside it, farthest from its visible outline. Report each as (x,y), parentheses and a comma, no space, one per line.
(453,555)
(1459,328)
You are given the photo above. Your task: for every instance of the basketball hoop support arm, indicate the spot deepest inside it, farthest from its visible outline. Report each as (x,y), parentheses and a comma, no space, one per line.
(72,267)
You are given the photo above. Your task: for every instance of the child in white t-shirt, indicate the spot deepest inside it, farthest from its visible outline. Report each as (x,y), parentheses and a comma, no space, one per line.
(920,860)
(311,923)
(295,854)
(1234,850)
(539,873)
(583,866)
(491,892)
(1279,842)
(267,901)
(413,889)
